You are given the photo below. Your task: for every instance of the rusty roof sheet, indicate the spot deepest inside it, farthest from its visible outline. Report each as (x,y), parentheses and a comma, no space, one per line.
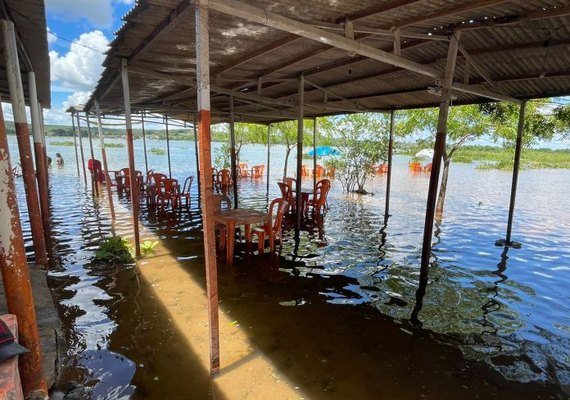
(517,48)
(30,24)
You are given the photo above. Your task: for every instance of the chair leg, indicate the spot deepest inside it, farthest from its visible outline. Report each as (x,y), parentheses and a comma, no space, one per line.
(261,244)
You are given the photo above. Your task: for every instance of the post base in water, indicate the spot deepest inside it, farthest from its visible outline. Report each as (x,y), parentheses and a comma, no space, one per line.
(504,243)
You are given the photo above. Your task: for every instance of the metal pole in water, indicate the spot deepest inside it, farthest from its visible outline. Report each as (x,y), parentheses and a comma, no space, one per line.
(134,187)
(389,175)
(300,128)
(205,155)
(104,159)
(233,157)
(23,135)
(168,147)
(81,148)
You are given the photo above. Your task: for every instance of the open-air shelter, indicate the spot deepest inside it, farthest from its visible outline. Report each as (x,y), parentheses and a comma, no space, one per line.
(268,61)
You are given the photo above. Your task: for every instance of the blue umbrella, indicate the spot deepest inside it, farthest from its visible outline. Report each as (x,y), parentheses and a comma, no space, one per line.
(324,151)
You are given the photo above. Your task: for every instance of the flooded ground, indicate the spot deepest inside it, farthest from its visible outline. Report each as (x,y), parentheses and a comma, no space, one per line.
(332,314)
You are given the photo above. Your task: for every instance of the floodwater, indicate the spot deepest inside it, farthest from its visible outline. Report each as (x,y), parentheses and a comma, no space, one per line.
(333,313)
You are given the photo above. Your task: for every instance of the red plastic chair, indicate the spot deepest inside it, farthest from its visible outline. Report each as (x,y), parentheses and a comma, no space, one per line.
(320,171)
(153,182)
(257,171)
(167,192)
(185,192)
(272,227)
(287,194)
(319,200)
(243,170)
(224,179)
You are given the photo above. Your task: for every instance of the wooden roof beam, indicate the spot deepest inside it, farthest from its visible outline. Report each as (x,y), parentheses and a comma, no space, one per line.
(374,10)
(264,17)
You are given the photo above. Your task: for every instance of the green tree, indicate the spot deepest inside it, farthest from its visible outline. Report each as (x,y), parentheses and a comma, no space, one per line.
(363,141)
(286,132)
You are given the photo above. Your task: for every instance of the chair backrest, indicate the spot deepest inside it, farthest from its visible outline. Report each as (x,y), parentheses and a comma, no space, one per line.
(187,185)
(224,176)
(321,191)
(257,171)
(168,187)
(219,199)
(286,192)
(290,182)
(148,174)
(320,171)
(277,207)
(304,170)
(156,178)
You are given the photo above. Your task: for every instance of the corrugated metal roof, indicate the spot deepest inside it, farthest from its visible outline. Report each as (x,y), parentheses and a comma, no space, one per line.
(522,47)
(30,23)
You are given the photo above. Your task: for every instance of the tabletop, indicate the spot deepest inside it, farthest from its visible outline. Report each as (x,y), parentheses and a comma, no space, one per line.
(240,216)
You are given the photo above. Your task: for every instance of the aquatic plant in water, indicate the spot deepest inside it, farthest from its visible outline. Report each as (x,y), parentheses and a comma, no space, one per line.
(158,151)
(114,250)
(148,246)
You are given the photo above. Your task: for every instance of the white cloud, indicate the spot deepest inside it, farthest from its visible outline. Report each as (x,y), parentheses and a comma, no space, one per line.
(127,2)
(75,99)
(97,12)
(51,38)
(80,67)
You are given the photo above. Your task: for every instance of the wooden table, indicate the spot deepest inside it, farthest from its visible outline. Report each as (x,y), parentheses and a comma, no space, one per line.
(237,217)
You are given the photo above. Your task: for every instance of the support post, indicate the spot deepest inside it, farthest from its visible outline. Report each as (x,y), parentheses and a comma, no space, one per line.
(144,143)
(205,154)
(75,141)
(14,267)
(439,148)
(197,160)
(268,155)
(168,147)
(389,175)
(41,160)
(300,128)
(233,156)
(315,152)
(104,159)
(516,166)
(81,148)
(94,186)
(23,135)
(44,147)
(134,187)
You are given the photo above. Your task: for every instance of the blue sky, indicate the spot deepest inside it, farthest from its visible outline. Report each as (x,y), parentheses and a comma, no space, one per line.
(79,32)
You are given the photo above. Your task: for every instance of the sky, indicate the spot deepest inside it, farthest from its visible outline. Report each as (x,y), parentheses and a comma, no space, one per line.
(79,32)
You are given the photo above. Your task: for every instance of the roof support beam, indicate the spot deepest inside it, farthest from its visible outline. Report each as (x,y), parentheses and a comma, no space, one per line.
(484,93)
(276,21)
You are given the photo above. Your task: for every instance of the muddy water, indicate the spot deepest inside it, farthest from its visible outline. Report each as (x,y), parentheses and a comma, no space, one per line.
(333,312)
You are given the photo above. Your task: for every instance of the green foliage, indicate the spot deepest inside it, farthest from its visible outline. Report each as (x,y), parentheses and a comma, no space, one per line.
(158,151)
(114,145)
(114,250)
(147,247)
(62,143)
(363,142)
(222,156)
(540,122)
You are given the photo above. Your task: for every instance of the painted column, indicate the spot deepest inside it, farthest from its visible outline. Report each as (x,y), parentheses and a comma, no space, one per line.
(134,187)
(268,155)
(23,136)
(315,152)
(516,167)
(41,161)
(14,267)
(168,147)
(144,142)
(233,158)
(389,175)
(104,159)
(75,141)
(94,186)
(439,148)
(300,127)
(205,156)
(197,161)
(81,148)
(44,147)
